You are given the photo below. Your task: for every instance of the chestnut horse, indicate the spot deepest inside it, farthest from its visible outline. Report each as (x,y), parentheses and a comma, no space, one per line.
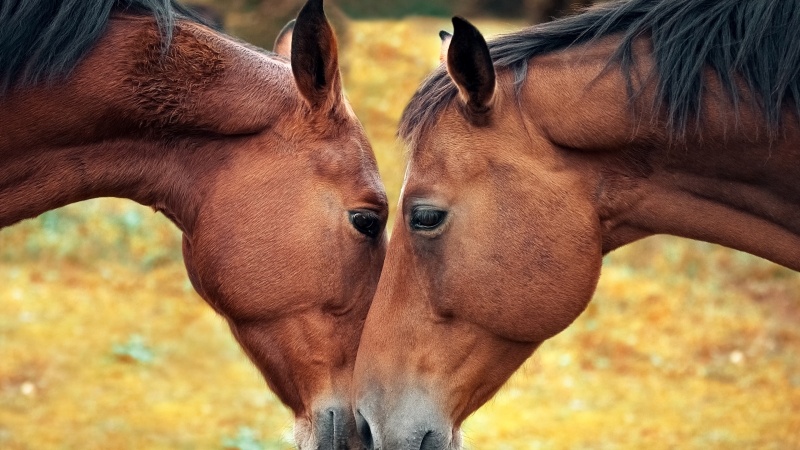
(258,159)
(534,156)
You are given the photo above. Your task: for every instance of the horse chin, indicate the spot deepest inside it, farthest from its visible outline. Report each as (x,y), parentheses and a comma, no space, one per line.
(456,442)
(303,436)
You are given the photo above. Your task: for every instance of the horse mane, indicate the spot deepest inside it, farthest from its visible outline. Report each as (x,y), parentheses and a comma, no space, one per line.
(43,40)
(754,42)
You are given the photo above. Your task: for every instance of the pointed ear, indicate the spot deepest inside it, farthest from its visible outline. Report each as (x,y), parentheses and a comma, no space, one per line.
(283,43)
(315,60)
(470,66)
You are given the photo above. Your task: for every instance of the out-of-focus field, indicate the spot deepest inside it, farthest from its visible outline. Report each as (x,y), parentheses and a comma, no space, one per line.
(104,345)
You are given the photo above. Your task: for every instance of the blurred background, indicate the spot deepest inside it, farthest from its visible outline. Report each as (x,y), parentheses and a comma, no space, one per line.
(104,344)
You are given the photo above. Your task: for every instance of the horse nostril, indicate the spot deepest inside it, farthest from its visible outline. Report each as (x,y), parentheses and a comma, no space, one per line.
(332,429)
(363,430)
(428,442)
(332,413)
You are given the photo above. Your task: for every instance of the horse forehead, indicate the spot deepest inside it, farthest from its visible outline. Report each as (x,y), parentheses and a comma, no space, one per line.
(455,143)
(456,155)
(346,157)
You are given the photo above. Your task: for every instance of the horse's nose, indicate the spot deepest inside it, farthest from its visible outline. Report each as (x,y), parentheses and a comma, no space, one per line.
(414,424)
(334,428)
(364,431)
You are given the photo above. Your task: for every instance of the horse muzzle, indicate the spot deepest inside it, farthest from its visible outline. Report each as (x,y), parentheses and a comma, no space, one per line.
(332,428)
(415,423)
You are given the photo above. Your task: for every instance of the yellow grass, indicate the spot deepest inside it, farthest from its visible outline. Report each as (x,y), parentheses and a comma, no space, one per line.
(104,345)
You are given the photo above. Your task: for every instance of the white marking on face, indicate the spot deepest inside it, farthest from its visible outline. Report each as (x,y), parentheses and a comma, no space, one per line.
(406,175)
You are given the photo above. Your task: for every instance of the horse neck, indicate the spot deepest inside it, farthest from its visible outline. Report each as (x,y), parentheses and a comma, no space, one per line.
(34,180)
(733,192)
(131,122)
(87,137)
(728,183)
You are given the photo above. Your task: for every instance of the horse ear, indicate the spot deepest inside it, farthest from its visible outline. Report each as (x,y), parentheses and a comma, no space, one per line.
(315,60)
(446,38)
(283,43)
(470,65)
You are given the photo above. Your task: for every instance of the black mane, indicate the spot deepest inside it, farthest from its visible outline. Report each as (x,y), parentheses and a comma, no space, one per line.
(43,40)
(754,41)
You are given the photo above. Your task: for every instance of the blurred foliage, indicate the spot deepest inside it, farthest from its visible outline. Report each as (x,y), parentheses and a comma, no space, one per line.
(247,439)
(686,345)
(134,350)
(95,231)
(258,21)
(396,9)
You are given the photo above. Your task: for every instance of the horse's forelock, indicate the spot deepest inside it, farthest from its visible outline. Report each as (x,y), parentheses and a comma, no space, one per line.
(436,92)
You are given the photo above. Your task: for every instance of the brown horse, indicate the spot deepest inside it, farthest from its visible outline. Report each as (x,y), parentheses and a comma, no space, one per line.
(536,155)
(258,160)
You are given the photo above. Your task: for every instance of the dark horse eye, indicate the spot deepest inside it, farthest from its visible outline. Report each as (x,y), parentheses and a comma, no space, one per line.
(427,218)
(366,222)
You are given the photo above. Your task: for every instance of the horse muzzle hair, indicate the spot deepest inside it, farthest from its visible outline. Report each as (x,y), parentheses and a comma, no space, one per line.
(415,423)
(330,428)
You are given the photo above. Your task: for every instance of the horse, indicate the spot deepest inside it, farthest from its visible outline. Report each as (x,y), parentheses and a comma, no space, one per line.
(256,157)
(533,156)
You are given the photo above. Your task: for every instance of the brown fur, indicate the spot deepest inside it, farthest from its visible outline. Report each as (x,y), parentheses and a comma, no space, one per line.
(564,173)
(163,84)
(219,138)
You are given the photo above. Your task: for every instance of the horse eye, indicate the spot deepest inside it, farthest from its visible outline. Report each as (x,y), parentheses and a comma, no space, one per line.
(426,219)
(366,222)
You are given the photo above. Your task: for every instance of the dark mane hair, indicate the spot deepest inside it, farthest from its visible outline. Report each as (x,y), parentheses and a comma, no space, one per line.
(754,41)
(43,40)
